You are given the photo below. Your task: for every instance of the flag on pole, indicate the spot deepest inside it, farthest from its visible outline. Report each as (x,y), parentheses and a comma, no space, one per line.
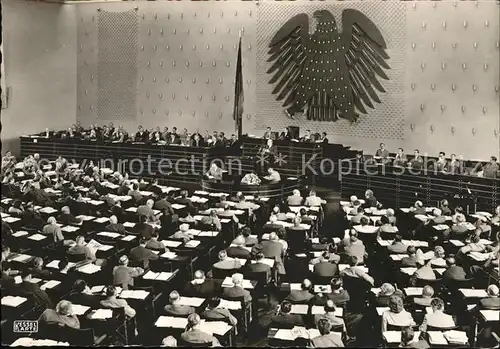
(238,94)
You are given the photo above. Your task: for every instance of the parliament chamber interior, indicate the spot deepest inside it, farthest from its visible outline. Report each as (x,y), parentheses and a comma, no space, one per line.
(250,173)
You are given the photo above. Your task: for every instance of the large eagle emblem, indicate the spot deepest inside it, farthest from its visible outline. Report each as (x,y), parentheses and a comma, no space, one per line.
(330,74)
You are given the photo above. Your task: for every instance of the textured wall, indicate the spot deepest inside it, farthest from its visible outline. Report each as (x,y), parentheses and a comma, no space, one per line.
(40,66)
(399,120)
(185,64)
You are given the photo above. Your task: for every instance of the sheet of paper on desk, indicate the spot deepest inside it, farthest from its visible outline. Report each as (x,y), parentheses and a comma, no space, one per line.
(229,283)
(478,256)
(305,226)
(300,309)
(457,243)
(295,286)
(18,279)
(21,258)
(285,335)
(290,215)
(101,220)
(172,322)
(164,276)
(422,217)
(69,229)
(381,310)
(102,314)
(322,289)
(96,202)
(485,242)
(483,213)
(129,224)
(20,233)
(131,209)
(491,315)
(11,219)
(405,210)
(129,238)
(109,234)
(5,201)
(264,199)
(150,275)
(413,291)
(50,284)
(169,255)
(201,192)
(134,294)
(395,336)
(97,289)
(218,327)
(384,243)
(375,290)
(5,215)
(191,301)
(105,248)
(85,218)
(79,309)
(472,293)
(441,227)
(397,257)
(231,305)
(13,301)
(170,243)
(409,270)
(178,206)
(192,243)
(454,336)
(267,261)
(89,269)
(35,280)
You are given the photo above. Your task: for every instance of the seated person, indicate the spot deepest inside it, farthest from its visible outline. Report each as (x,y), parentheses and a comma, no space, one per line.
(330,315)
(169,342)
(444,206)
(155,245)
(66,218)
(123,275)
(382,152)
(438,217)
(215,172)
(175,308)
(251,178)
(365,227)
(283,318)
(386,226)
(339,295)
(249,240)
(408,339)
(411,260)
(424,271)
(492,302)
(354,247)
(259,266)
(237,290)
(273,176)
(396,315)
(295,199)
(183,233)
(201,286)
(437,318)
(397,246)
(426,299)
(226,263)
(81,248)
(193,335)
(38,271)
(473,246)
(81,294)
(111,302)
(213,313)
(33,292)
(141,255)
(461,226)
(53,229)
(212,220)
(391,216)
(272,224)
(355,272)
(303,295)
(417,162)
(370,199)
(359,216)
(386,292)
(418,208)
(147,211)
(313,200)
(453,271)
(324,266)
(62,315)
(239,250)
(327,339)
(143,229)
(114,226)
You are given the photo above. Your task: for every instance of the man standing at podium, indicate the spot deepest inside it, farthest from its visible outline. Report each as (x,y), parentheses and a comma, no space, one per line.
(382,153)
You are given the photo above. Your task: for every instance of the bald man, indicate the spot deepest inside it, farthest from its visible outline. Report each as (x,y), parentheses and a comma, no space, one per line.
(303,295)
(62,315)
(114,226)
(492,302)
(238,250)
(67,218)
(271,248)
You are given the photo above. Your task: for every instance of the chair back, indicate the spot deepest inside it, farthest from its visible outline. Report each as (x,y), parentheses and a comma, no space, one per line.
(80,336)
(222,273)
(441,329)
(182,343)
(55,332)
(262,277)
(76,257)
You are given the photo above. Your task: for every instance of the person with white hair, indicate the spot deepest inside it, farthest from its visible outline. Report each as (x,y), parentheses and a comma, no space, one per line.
(67,218)
(238,249)
(370,199)
(115,227)
(273,176)
(182,233)
(123,275)
(62,315)
(147,211)
(175,306)
(295,199)
(226,263)
(437,218)
(496,218)
(194,335)
(461,227)
(492,302)
(52,228)
(169,342)
(418,208)
(390,214)
(237,290)
(313,200)
(212,220)
(352,199)
(272,224)
(303,295)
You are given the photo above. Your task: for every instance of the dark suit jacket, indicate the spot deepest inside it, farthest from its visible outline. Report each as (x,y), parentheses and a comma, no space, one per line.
(237,252)
(67,219)
(490,303)
(163,205)
(455,273)
(144,230)
(40,273)
(115,228)
(326,269)
(32,291)
(409,261)
(271,249)
(205,290)
(178,310)
(85,299)
(142,255)
(299,296)
(234,292)
(286,321)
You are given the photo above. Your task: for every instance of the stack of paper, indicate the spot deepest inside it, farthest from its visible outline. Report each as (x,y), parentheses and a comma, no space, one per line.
(192,243)
(102,314)
(97,289)
(48,210)
(472,293)
(441,227)
(231,305)
(21,258)
(162,276)
(191,301)
(209,233)
(134,294)
(19,233)
(169,255)
(178,206)
(101,220)
(170,243)
(458,337)
(108,234)
(129,238)
(13,301)
(413,291)
(299,309)
(50,284)
(69,229)
(491,315)
(89,269)
(129,224)
(172,322)
(478,256)
(79,309)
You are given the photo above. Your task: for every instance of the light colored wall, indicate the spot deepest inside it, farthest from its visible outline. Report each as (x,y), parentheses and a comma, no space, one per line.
(40,65)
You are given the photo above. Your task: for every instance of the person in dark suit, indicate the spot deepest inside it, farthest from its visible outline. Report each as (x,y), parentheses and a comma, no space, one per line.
(427,296)
(492,302)
(123,275)
(370,199)
(285,135)
(418,208)
(197,141)
(141,135)
(325,268)
(397,245)
(408,340)
(38,271)
(453,271)
(142,255)
(268,134)
(118,211)
(417,162)
(201,287)
(249,240)
(114,226)
(283,318)
(174,139)
(156,245)
(143,229)
(33,292)
(194,336)
(271,248)
(184,200)
(67,218)
(163,204)
(214,313)
(411,260)
(81,294)
(258,267)
(175,308)
(303,295)
(237,290)
(62,315)
(323,138)
(238,251)
(135,193)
